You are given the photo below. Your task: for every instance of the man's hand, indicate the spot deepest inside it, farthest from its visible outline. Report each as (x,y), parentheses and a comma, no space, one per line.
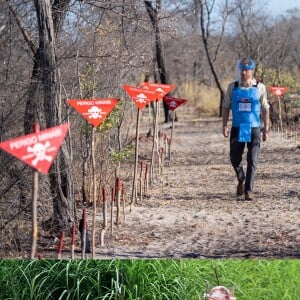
(225,131)
(265,135)
(225,115)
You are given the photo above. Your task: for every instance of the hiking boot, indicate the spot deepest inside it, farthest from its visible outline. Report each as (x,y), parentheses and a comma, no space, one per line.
(240,188)
(249,196)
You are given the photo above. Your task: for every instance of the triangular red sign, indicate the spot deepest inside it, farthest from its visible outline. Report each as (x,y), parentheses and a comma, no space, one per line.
(277,90)
(162,88)
(38,149)
(94,111)
(172,102)
(141,96)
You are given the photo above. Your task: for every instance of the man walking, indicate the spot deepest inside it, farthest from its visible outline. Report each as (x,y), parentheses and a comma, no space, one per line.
(247,99)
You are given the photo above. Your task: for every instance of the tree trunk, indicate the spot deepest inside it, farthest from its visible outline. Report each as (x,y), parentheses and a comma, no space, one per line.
(162,70)
(205,35)
(61,183)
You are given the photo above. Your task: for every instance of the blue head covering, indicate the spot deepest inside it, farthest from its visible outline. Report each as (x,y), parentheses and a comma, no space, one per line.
(247,64)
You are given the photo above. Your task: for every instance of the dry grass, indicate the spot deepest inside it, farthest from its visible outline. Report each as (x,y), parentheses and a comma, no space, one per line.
(202,98)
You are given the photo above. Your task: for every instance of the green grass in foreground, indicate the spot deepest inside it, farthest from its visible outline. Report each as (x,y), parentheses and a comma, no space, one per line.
(147,279)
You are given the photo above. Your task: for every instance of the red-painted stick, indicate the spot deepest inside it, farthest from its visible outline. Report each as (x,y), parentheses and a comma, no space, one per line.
(73,241)
(83,233)
(60,246)
(112,211)
(104,208)
(35,192)
(123,200)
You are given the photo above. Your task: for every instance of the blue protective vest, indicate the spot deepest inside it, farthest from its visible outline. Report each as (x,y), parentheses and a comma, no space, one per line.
(245,106)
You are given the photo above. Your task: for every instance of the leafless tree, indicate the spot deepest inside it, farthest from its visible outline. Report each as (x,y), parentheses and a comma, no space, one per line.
(206,9)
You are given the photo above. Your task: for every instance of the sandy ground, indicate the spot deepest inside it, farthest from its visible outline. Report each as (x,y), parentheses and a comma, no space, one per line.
(191,210)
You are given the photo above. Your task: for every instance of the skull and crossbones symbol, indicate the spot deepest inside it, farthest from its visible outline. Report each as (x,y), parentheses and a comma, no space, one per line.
(161,91)
(173,104)
(95,113)
(141,98)
(39,152)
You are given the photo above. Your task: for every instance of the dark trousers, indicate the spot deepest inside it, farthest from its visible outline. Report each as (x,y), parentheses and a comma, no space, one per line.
(236,154)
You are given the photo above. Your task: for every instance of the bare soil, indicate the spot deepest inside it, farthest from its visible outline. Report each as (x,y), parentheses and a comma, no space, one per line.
(192,210)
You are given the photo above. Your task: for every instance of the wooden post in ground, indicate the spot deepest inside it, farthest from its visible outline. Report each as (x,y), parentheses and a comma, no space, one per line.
(171,136)
(141,181)
(83,234)
(94,194)
(146,179)
(60,246)
(104,211)
(35,192)
(154,144)
(136,154)
(73,241)
(118,195)
(123,201)
(112,211)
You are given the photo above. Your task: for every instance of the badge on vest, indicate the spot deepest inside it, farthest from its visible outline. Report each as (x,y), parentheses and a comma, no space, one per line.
(245,133)
(244,105)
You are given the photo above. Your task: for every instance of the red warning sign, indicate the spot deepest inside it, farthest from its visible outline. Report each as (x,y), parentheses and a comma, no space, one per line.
(277,90)
(38,149)
(94,111)
(161,88)
(172,102)
(141,96)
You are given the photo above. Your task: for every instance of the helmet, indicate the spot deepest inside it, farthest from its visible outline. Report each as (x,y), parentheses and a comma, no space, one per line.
(219,293)
(247,64)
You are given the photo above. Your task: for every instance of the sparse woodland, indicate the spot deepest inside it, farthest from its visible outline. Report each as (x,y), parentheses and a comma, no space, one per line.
(54,50)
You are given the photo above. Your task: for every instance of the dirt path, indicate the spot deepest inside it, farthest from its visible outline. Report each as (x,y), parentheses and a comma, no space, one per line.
(192,210)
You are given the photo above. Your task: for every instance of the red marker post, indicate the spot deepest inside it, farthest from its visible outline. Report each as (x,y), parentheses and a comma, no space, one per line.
(60,246)
(141,97)
(172,103)
(38,150)
(118,201)
(95,111)
(123,200)
(162,90)
(278,92)
(83,234)
(104,211)
(73,241)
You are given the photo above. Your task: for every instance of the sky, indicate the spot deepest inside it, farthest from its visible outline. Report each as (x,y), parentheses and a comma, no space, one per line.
(278,7)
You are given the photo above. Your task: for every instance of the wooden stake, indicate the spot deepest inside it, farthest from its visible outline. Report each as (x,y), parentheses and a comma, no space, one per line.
(83,239)
(170,140)
(73,241)
(123,201)
(141,181)
(155,143)
(162,160)
(279,112)
(146,179)
(104,211)
(134,183)
(112,211)
(94,195)
(60,246)
(35,192)
(104,208)
(118,195)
